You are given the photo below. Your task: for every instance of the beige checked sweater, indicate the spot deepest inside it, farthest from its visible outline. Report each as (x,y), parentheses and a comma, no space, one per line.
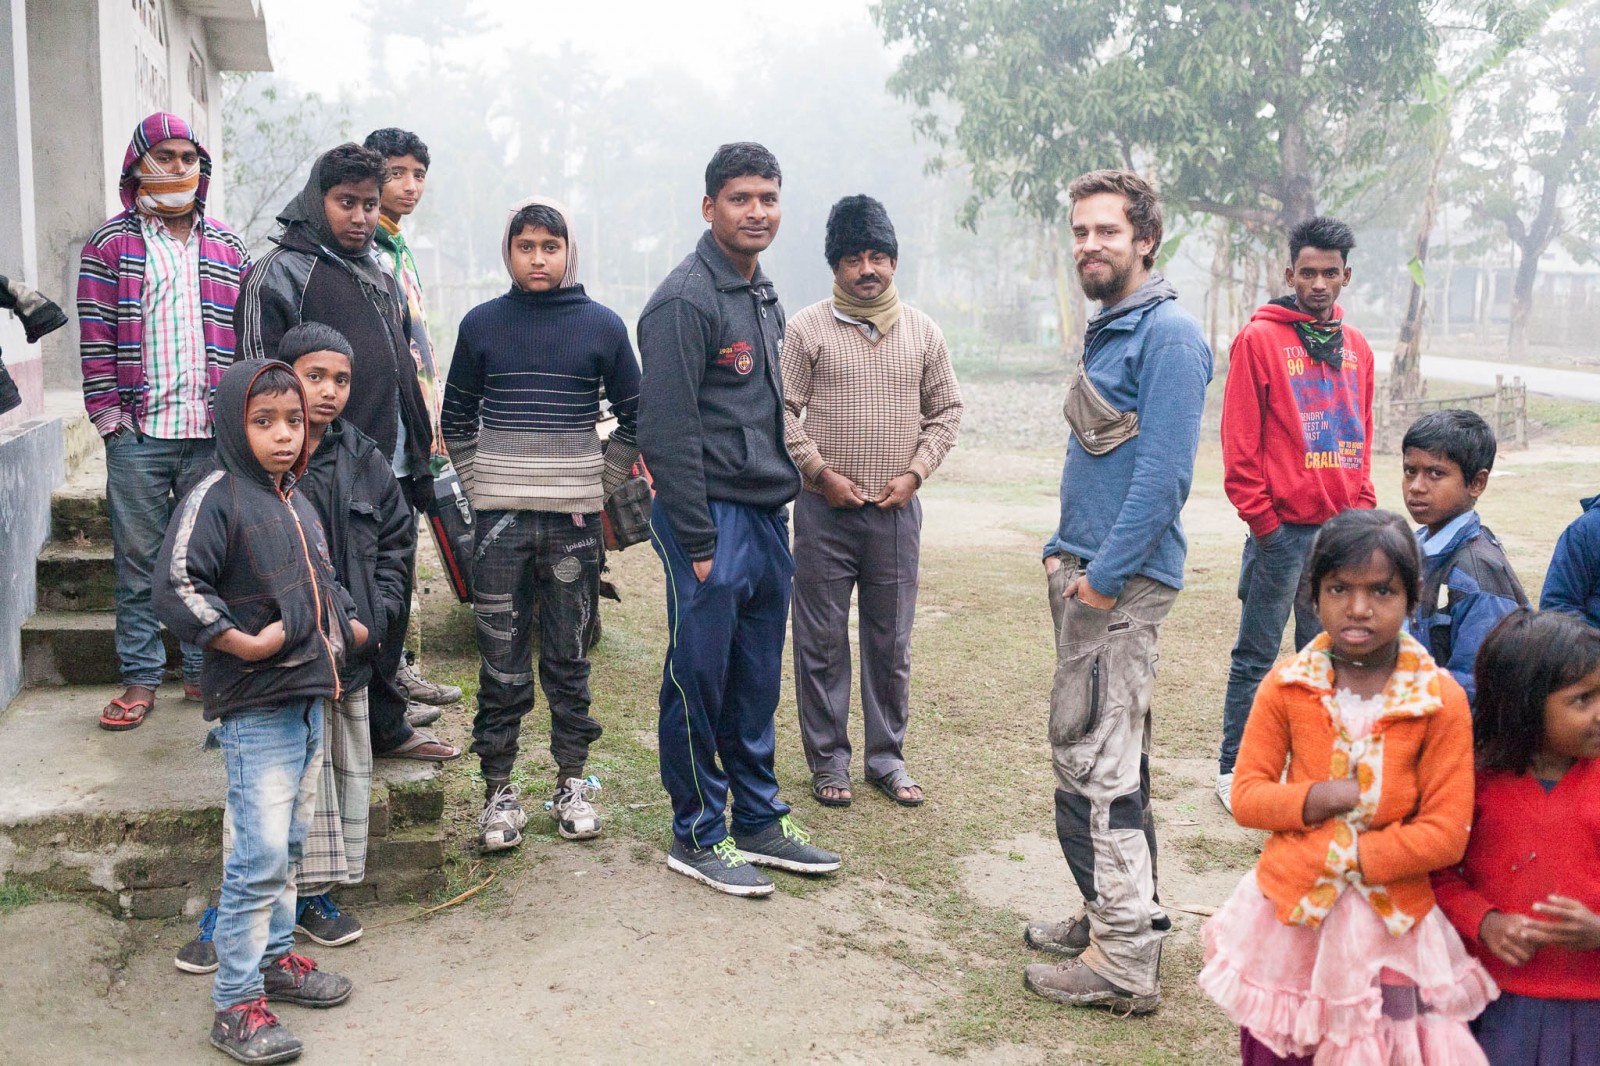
(867,410)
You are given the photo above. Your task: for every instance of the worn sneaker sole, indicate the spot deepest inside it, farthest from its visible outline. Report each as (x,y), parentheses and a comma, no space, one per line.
(500,841)
(576,834)
(195,967)
(1119,1003)
(286,1055)
(674,863)
(755,858)
(336,943)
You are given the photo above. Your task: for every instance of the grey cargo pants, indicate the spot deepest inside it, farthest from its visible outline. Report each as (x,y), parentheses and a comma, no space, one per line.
(1100,747)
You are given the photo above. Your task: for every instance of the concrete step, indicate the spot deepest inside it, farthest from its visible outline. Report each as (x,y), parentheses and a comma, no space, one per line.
(133,821)
(76,648)
(76,577)
(78,512)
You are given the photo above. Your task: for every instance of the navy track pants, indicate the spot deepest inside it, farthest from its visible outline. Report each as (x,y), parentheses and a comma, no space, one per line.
(720,684)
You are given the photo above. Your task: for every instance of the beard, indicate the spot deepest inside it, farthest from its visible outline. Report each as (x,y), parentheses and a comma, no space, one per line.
(1111,283)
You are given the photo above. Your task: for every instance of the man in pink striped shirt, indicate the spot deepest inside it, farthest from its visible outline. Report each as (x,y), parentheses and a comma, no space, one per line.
(156,291)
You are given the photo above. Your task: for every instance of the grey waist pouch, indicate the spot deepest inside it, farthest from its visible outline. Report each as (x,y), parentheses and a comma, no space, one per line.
(1099,426)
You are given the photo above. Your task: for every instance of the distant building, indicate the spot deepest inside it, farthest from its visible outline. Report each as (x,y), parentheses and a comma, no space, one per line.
(76,76)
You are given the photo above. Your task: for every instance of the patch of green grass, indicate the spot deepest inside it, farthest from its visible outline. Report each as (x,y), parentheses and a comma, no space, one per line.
(15,895)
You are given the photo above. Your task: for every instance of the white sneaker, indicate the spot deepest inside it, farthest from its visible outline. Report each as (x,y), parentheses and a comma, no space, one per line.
(573,808)
(500,824)
(1225,791)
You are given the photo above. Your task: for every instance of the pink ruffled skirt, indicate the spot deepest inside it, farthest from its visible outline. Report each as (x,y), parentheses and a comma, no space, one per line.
(1319,992)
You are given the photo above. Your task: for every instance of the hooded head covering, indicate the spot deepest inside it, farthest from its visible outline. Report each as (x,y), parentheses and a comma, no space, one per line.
(153,130)
(568,279)
(307,214)
(234,453)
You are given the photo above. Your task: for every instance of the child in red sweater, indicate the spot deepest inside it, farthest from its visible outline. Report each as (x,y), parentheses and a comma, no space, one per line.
(1526,894)
(1332,946)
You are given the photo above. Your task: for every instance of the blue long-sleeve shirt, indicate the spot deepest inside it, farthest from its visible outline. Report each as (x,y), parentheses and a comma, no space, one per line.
(1120,510)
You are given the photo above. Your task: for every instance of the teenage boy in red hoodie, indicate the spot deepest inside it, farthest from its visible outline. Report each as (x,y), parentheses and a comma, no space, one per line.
(1296,450)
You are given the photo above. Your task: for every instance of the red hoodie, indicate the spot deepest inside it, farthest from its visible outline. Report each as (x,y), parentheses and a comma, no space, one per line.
(1296,434)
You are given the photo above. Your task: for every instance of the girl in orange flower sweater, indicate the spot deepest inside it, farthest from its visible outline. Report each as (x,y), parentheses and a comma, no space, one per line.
(1332,951)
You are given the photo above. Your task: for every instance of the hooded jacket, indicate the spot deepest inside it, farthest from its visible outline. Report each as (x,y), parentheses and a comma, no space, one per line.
(1119,509)
(1296,434)
(370,533)
(243,552)
(523,395)
(309,278)
(711,400)
(1572,583)
(111,290)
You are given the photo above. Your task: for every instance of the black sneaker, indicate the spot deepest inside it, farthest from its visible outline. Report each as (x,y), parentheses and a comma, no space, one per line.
(251,1033)
(200,954)
(319,919)
(720,866)
(292,978)
(786,846)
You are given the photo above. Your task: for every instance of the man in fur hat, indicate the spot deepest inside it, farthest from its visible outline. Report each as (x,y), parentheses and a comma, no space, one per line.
(871,409)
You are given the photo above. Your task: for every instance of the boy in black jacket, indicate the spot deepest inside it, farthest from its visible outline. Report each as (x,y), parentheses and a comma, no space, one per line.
(370,536)
(244,573)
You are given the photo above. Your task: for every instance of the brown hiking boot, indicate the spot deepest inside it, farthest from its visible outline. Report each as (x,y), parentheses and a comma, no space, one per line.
(1074,984)
(1067,938)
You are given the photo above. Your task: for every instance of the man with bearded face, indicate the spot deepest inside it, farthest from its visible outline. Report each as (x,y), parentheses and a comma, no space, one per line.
(1114,567)
(156,291)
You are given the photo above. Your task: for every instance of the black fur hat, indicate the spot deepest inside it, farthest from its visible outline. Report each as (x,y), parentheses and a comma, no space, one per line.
(858,224)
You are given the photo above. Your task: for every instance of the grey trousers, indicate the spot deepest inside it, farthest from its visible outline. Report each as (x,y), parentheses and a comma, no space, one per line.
(1100,746)
(873,551)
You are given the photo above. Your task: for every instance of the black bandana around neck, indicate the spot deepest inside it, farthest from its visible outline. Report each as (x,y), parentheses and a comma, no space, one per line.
(1323,341)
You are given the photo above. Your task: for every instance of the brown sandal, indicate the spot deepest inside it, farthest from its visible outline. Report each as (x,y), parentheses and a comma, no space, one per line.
(133,711)
(422,746)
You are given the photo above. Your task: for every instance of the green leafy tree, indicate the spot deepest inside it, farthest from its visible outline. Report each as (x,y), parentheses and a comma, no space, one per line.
(1530,147)
(1252,110)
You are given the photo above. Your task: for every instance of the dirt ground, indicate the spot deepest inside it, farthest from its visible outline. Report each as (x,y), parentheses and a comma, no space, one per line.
(595,952)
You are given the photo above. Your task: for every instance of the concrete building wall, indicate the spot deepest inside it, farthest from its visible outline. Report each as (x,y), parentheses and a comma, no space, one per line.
(18,258)
(32,463)
(138,57)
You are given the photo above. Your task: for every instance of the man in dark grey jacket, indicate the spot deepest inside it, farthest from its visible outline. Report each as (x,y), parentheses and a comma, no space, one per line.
(711,431)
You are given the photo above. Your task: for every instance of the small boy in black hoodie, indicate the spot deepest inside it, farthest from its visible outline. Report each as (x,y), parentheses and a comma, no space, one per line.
(370,536)
(244,573)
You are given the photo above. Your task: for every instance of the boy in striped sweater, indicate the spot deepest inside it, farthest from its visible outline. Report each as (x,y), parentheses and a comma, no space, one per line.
(520,407)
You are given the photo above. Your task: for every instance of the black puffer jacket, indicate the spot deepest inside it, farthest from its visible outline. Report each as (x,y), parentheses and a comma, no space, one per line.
(370,531)
(242,553)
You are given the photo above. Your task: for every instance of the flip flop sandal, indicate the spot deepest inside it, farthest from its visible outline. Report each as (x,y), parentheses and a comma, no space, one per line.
(424,747)
(140,708)
(891,784)
(831,779)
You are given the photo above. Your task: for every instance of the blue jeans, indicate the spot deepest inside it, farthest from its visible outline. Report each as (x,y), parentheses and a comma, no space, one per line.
(720,684)
(1269,587)
(274,760)
(145,479)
